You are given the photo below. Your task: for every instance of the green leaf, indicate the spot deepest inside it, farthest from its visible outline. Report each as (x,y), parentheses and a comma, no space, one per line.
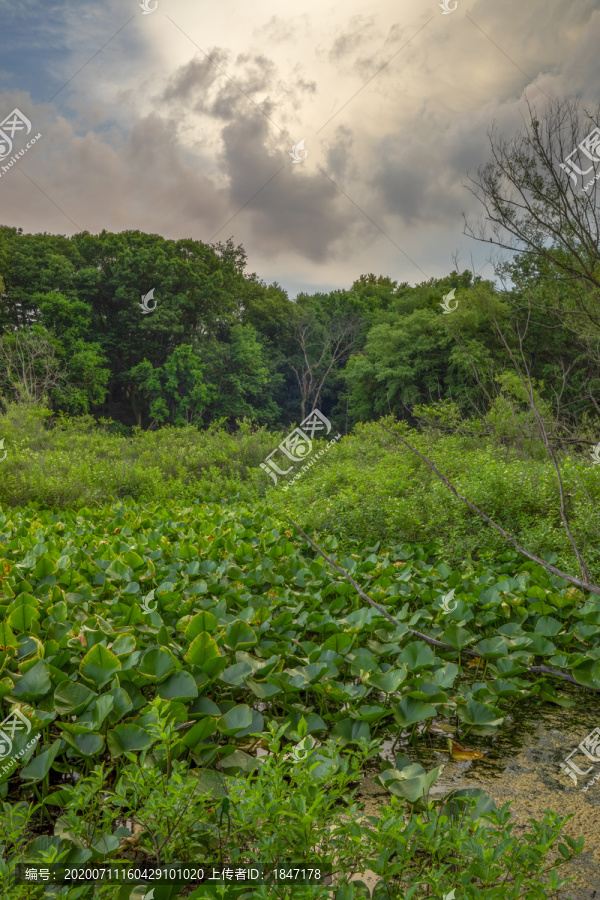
(408,711)
(202,621)
(587,673)
(372,714)
(203,706)
(340,642)
(262,689)
(411,783)
(23,612)
(202,650)
(34,684)
(180,686)
(548,694)
(481,715)
(89,744)
(122,704)
(427,691)
(61,797)
(508,666)
(117,571)
(455,810)
(156,664)
(417,655)
(236,720)
(388,682)
(99,665)
(541,646)
(211,782)
(39,767)
(6,686)
(236,674)
(492,648)
(132,588)
(124,645)
(239,636)
(106,844)
(349,731)
(72,697)
(44,567)
(445,676)
(133,560)
(457,636)
(199,732)
(7,637)
(128,739)
(238,762)
(547,626)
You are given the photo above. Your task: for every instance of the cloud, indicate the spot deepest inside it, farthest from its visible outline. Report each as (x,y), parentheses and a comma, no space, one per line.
(151,134)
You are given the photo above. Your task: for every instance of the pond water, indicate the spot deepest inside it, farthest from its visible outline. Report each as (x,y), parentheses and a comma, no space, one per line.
(522,764)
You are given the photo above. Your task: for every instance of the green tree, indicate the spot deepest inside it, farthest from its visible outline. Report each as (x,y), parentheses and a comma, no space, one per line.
(415,354)
(244,383)
(176,393)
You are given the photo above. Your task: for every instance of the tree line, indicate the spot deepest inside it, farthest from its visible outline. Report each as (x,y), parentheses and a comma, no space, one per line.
(222,345)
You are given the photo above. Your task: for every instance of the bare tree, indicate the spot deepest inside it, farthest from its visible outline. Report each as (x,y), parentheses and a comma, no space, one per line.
(540,197)
(29,367)
(322,347)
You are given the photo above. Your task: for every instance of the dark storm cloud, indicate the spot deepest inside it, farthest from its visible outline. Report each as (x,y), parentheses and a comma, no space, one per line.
(299,209)
(151,134)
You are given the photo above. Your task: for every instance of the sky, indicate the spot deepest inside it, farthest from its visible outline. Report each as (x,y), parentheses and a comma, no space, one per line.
(181,119)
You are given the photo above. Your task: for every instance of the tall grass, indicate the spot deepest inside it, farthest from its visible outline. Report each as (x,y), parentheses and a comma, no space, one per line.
(368,487)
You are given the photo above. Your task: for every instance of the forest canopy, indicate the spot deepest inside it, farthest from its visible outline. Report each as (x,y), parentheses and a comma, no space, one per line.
(220,345)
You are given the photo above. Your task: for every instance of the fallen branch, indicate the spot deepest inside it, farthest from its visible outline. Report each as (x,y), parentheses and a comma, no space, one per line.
(583,585)
(542,670)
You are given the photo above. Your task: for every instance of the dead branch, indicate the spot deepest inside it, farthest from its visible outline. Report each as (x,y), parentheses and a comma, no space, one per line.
(541,670)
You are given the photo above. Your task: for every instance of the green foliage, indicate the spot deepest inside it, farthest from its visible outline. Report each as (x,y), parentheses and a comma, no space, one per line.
(199,683)
(223,588)
(379,348)
(78,463)
(368,487)
(290,813)
(243,380)
(84,294)
(177,392)
(150,716)
(371,488)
